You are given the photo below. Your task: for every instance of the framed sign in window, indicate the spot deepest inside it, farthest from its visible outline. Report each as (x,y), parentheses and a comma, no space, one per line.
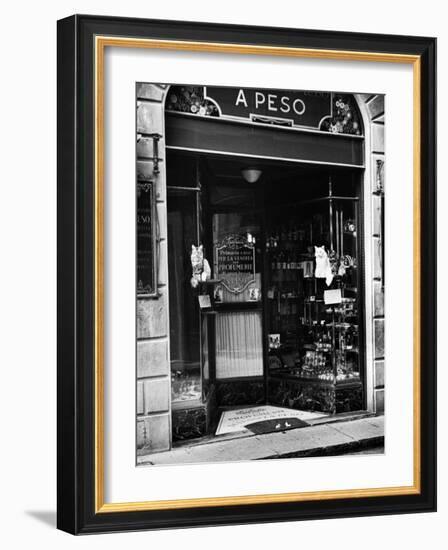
(146,240)
(173,415)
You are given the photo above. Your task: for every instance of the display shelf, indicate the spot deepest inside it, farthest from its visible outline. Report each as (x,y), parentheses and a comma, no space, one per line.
(323,338)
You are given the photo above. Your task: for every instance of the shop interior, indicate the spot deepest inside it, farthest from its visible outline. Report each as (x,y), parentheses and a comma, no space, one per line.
(278,318)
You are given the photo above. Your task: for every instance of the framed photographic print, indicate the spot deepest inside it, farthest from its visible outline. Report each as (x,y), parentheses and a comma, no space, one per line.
(246,274)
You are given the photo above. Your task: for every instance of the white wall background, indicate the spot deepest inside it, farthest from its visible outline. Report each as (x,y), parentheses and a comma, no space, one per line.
(28,271)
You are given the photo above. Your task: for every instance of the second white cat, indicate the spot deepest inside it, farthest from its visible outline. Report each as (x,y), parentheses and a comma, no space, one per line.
(323,266)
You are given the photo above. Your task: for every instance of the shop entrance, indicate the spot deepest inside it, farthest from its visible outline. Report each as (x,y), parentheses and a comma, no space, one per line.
(275,318)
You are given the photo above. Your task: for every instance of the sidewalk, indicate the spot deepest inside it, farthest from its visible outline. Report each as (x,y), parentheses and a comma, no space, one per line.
(318,440)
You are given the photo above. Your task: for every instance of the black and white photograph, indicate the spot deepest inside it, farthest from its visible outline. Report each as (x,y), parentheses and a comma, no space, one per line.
(223,275)
(260,273)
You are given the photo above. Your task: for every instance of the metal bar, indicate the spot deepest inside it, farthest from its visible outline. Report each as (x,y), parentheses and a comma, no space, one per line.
(337,233)
(174,187)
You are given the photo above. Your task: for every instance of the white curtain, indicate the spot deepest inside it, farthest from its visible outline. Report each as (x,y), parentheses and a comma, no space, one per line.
(239,344)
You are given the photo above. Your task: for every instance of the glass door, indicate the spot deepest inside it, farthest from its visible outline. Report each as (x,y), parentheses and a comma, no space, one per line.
(237,269)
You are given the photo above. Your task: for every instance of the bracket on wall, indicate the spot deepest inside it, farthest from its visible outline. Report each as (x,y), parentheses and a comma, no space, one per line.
(155,149)
(379,179)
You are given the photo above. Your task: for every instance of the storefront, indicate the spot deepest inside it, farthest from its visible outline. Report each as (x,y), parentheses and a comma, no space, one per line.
(260,272)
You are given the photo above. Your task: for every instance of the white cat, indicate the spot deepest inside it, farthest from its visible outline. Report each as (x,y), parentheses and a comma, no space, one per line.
(201,267)
(323,267)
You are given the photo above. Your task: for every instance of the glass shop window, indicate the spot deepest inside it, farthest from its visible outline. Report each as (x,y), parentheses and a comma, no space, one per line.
(313,289)
(185,338)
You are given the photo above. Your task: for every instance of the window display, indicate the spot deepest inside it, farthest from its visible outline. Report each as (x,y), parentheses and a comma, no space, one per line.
(313,290)
(185,320)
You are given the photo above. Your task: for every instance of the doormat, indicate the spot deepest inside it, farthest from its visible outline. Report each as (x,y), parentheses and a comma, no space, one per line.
(278,425)
(243,420)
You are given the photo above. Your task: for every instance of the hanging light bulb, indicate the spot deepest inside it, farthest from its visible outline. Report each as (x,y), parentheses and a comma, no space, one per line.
(251,175)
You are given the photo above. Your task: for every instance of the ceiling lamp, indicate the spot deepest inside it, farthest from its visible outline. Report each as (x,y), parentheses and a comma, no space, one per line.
(251,175)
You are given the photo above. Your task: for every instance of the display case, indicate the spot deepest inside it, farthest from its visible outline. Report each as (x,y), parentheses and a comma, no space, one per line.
(313,315)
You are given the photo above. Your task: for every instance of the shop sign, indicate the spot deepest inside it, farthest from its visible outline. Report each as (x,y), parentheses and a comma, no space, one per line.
(235,263)
(292,108)
(332,297)
(146,239)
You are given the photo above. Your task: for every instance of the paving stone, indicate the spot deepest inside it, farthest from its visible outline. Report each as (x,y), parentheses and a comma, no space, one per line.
(152,317)
(162,220)
(153,433)
(379,373)
(305,439)
(358,430)
(377,258)
(379,338)
(145,172)
(152,358)
(156,395)
(378,138)
(145,147)
(163,263)
(378,299)
(379,401)
(149,91)
(230,450)
(150,118)
(376,106)
(140,406)
(376,214)
(364,97)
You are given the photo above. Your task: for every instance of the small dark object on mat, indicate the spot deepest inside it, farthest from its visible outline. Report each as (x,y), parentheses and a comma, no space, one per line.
(276,425)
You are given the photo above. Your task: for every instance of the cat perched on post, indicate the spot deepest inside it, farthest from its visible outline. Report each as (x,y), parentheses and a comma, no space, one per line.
(201,267)
(323,266)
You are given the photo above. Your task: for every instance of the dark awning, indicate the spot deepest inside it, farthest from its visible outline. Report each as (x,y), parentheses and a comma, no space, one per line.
(215,135)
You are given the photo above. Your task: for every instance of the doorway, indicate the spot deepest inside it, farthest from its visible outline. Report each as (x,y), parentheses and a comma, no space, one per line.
(272,323)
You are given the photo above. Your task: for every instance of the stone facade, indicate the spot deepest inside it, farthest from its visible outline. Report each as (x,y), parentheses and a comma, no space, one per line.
(153,362)
(373,110)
